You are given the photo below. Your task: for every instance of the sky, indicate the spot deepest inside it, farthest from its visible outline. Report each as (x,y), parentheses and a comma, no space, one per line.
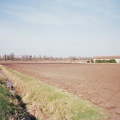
(60,28)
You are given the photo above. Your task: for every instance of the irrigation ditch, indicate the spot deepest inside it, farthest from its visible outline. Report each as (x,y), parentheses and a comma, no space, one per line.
(20,110)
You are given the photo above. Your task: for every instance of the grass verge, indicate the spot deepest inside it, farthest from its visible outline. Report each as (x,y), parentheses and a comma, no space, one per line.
(9,110)
(47,102)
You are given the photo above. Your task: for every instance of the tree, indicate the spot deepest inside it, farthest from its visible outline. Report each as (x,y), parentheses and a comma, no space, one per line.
(12,56)
(104,61)
(92,61)
(113,61)
(5,57)
(8,57)
(30,57)
(0,57)
(97,61)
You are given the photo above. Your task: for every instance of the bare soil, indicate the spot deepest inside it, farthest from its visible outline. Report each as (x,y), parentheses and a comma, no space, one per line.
(98,83)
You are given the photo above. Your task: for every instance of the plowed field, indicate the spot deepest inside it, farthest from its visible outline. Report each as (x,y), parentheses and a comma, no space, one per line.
(98,83)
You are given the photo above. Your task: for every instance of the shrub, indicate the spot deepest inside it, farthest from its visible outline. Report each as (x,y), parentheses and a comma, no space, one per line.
(105,61)
(113,61)
(92,61)
(97,61)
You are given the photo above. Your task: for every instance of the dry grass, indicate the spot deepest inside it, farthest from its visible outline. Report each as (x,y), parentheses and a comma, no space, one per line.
(50,103)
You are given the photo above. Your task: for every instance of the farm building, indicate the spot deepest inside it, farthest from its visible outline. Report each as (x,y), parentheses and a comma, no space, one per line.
(116,58)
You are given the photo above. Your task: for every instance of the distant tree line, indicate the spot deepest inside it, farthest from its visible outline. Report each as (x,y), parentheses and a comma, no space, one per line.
(13,57)
(5,57)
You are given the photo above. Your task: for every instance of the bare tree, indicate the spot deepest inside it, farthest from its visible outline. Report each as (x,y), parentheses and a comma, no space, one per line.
(30,57)
(5,57)
(12,56)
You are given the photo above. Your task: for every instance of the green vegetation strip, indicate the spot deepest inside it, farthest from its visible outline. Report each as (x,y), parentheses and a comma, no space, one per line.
(8,109)
(48,102)
(6,106)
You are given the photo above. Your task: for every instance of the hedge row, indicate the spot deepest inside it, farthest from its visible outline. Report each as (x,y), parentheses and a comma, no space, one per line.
(105,61)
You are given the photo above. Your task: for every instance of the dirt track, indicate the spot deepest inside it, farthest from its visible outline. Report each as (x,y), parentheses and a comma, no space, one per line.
(99,83)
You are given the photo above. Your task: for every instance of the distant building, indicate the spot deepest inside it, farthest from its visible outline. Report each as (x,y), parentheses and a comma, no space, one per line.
(116,58)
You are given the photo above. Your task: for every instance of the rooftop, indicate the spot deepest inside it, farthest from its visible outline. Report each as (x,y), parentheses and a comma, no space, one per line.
(107,57)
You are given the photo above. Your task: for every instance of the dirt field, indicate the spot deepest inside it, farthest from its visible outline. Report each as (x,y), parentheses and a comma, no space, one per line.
(98,83)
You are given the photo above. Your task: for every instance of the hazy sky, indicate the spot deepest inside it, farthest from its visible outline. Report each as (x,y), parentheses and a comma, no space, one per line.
(60,27)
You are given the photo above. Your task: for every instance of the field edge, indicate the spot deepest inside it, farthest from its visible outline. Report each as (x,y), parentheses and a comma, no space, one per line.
(46,101)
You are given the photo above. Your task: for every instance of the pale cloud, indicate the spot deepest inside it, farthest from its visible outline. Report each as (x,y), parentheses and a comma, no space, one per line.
(35,16)
(61,15)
